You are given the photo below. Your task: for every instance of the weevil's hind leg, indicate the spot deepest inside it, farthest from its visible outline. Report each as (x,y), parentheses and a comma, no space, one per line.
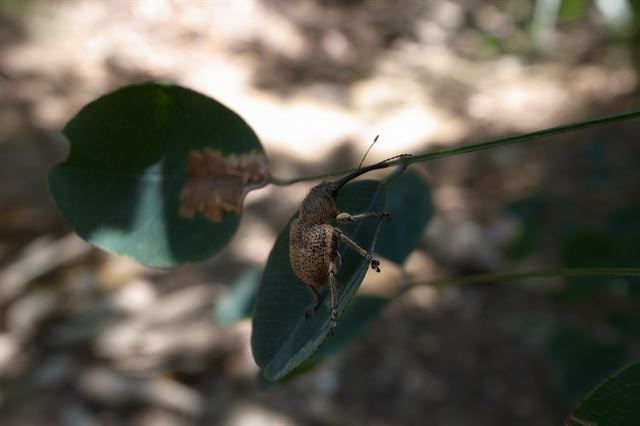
(375,263)
(317,299)
(333,289)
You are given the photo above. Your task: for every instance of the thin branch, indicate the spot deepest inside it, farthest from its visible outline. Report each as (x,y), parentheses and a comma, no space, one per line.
(565,128)
(512,276)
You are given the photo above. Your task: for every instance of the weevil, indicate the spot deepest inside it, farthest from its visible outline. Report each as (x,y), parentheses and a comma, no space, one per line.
(314,242)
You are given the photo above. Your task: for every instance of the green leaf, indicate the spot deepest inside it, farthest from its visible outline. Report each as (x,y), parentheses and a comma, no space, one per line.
(283,336)
(238,302)
(409,202)
(157,173)
(362,312)
(615,401)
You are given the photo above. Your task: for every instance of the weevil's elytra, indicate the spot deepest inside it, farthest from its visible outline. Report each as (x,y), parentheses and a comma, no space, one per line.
(314,243)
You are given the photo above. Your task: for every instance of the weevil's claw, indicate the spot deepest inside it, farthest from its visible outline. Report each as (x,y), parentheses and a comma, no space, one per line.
(386,216)
(375,265)
(333,322)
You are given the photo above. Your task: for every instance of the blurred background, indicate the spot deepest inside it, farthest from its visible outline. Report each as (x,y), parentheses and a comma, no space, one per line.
(87,338)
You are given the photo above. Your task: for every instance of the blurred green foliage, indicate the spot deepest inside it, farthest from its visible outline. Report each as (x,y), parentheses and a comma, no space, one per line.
(615,401)
(587,234)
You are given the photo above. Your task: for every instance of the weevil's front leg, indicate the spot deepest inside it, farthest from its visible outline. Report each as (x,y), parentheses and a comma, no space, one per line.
(350,218)
(333,289)
(317,299)
(375,263)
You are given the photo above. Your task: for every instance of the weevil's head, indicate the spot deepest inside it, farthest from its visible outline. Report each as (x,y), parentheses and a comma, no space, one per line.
(319,206)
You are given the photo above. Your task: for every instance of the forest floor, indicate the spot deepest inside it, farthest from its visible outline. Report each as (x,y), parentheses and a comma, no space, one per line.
(88,338)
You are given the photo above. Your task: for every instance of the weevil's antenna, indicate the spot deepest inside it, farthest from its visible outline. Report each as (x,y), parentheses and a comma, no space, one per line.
(370,146)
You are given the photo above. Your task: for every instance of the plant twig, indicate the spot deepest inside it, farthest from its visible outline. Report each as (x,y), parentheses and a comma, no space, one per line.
(541,273)
(565,128)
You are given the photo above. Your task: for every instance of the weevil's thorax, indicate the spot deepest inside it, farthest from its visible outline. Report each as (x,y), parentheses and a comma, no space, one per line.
(319,205)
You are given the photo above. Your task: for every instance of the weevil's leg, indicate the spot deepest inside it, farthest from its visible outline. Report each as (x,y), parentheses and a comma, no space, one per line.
(333,289)
(317,299)
(349,218)
(375,263)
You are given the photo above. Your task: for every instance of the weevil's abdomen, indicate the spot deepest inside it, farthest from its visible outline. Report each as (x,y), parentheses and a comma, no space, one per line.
(312,247)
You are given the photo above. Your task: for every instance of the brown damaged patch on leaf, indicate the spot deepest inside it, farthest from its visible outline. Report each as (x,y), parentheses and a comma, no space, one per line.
(219,183)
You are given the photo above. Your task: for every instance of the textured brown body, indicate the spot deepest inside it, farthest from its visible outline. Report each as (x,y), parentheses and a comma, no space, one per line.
(313,243)
(314,247)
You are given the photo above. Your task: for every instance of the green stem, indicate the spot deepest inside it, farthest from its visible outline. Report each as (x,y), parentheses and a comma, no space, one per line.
(480,146)
(511,276)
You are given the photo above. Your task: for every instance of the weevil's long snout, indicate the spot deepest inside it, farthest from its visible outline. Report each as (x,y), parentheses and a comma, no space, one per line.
(339,183)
